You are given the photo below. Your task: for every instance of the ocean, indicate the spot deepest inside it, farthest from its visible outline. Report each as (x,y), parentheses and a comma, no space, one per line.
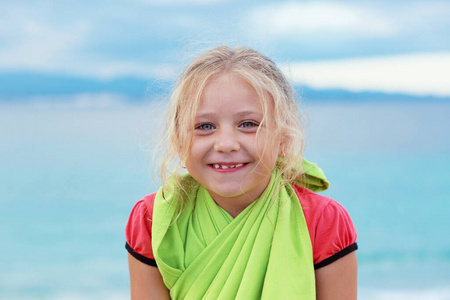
(71,171)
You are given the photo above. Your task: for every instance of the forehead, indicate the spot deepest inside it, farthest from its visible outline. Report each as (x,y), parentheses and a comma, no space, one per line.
(229,92)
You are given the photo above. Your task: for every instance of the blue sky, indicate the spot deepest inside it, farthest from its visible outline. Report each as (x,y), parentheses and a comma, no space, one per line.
(376,46)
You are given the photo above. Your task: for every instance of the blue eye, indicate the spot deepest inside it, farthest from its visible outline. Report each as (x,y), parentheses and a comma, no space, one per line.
(248,124)
(205,127)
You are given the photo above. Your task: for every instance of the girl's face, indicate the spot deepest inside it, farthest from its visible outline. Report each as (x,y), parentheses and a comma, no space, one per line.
(225,155)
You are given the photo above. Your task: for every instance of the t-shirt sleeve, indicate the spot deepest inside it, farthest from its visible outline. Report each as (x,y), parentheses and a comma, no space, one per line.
(335,235)
(138,232)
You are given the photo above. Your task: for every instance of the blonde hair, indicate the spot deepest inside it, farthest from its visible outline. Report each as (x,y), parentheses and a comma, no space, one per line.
(271,86)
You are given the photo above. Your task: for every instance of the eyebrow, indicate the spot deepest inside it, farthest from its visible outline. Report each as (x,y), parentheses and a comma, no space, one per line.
(242,114)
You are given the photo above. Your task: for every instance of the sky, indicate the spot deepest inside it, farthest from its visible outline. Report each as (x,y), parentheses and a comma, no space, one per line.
(383,46)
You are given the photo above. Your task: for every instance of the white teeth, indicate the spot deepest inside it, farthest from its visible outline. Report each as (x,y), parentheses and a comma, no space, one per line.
(217,166)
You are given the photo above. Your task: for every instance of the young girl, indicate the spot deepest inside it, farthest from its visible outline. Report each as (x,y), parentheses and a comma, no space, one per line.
(243,221)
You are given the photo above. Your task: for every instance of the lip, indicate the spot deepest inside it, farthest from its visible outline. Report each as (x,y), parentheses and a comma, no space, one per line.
(228,170)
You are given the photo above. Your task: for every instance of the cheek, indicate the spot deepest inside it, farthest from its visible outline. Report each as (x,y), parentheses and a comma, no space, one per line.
(197,150)
(184,144)
(269,147)
(193,161)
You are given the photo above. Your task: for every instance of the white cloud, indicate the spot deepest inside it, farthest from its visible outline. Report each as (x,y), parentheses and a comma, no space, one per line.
(172,2)
(304,18)
(415,74)
(38,45)
(41,47)
(114,69)
(330,20)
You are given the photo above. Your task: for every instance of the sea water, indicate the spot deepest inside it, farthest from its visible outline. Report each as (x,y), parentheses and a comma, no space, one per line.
(70,174)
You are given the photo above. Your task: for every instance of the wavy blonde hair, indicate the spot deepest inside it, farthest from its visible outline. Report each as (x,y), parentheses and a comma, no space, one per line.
(271,86)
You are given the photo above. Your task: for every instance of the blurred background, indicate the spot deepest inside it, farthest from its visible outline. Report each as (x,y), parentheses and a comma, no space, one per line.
(82,89)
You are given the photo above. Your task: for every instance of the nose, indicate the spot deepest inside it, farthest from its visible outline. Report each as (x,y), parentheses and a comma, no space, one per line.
(227,140)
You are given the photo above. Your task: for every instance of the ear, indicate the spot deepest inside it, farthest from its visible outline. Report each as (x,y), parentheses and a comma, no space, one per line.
(282,147)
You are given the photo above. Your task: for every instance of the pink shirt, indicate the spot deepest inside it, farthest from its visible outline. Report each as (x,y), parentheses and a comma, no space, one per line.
(330,228)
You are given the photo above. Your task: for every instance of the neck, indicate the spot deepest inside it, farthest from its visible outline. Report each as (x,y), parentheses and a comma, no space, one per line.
(234,205)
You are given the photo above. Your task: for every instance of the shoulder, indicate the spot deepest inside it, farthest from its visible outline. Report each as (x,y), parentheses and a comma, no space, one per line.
(312,203)
(138,230)
(142,211)
(330,227)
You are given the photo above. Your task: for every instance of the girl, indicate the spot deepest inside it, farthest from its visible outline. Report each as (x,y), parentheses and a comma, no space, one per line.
(243,222)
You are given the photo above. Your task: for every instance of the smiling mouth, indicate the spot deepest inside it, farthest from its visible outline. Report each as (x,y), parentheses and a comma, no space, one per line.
(225,167)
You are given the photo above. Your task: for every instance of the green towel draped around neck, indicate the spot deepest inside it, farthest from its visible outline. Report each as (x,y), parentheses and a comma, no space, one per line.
(315,179)
(263,253)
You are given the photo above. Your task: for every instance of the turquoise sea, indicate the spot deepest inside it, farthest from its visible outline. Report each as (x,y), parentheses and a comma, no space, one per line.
(71,170)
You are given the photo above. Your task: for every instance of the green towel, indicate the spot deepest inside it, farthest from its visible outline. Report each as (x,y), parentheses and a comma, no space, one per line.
(315,179)
(263,253)
(312,178)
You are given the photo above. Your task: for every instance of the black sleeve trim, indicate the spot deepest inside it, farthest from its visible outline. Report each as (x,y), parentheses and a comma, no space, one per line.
(323,263)
(141,258)
(336,256)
